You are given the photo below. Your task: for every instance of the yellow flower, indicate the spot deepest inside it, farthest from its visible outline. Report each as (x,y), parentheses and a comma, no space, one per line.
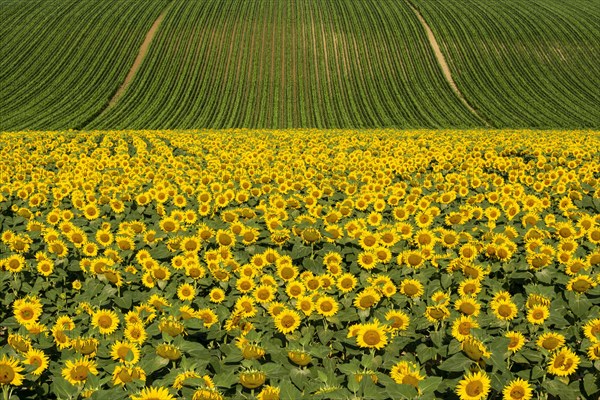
(372,335)
(581,284)
(474,349)
(468,306)
(550,341)
(301,358)
(106,321)
(473,386)
(125,352)
(38,359)
(14,263)
(124,374)
(168,352)
(287,321)
(591,330)
(252,379)
(346,283)
(504,310)
(27,310)
(461,327)
(10,372)
(563,362)
(411,288)
(399,320)
(77,371)
(436,313)
(517,389)
(538,314)
(406,373)
(327,306)
(269,393)
(594,351)
(186,292)
(153,393)
(366,299)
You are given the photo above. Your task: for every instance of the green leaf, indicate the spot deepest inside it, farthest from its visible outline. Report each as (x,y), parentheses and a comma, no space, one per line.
(300,251)
(590,384)
(456,363)
(560,389)
(288,390)
(498,350)
(430,384)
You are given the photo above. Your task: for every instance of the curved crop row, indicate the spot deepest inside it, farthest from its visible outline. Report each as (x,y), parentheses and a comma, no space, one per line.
(288,64)
(523,63)
(61,62)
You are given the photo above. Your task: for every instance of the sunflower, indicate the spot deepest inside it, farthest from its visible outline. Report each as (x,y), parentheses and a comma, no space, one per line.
(186,292)
(135,333)
(77,371)
(287,321)
(469,287)
(153,393)
(251,379)
(38,359)
(299,357)
(346,283)
(591,330)
(550,341)
(411,288)
(14,263)
(473,386)
(305,304)
(366,299)
(372,335)
(19,343)
(216,295)
(538,314)
(399,320)
(10,372)
(327,306)
(106,321)
(504,310)
(264,293)
(295,289)
(27,310)
(171,327)
(125,352)
(461,327)
(269,393)
(406,373)
(594,351)
(86,346)
(474,348)
(563,362)
(286,271)
(436,313)
(467,306)
(168,352)
(367,260)
(124,374)
(581,284)
(517,389)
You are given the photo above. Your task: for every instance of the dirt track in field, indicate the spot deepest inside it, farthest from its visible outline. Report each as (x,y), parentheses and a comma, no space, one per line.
(138,60)
(442,61)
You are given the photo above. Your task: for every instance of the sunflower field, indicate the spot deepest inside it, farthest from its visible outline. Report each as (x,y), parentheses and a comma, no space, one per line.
(261,264)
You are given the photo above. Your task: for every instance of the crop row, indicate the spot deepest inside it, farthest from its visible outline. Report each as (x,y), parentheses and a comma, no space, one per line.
(522,63)
(289,64)
(61,62)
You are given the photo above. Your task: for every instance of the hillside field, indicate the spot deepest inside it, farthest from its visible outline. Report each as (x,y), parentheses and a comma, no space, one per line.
(298,64)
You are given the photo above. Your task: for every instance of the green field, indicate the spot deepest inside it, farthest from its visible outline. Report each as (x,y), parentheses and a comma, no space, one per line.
(294,64)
